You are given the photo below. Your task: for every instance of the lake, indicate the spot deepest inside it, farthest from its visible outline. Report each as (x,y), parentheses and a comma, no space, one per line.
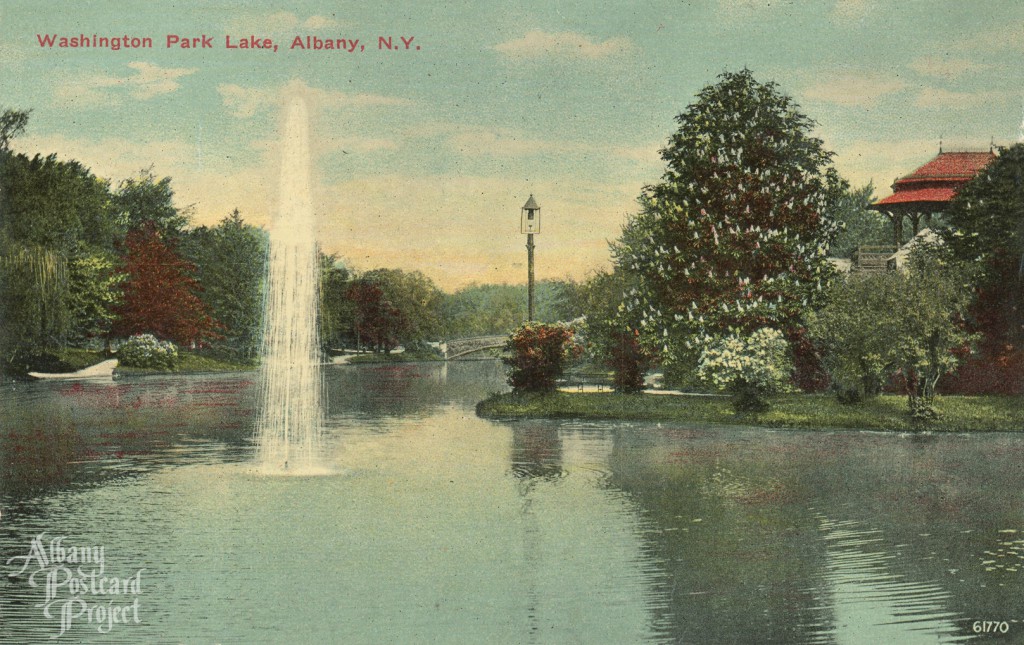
(437,526)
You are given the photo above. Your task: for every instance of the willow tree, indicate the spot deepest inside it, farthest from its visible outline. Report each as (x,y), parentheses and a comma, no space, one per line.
(734,237)
(33,290)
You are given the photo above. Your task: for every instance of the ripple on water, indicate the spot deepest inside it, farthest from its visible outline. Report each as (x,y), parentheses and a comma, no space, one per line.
(863,599)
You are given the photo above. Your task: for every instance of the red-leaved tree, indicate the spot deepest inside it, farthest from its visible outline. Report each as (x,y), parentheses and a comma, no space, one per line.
(160,294)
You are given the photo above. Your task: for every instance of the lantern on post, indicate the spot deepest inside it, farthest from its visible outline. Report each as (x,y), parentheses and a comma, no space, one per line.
(530,224)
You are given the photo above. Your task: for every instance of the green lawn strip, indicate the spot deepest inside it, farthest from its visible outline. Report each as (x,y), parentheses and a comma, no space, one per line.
(887,412)
(402,357)
(189,362)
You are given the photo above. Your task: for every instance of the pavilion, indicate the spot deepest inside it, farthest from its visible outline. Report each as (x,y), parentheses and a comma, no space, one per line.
(922,196)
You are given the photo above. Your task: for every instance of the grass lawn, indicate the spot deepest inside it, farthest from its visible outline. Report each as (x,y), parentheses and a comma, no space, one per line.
(189,362)
(402,357)
(808,411)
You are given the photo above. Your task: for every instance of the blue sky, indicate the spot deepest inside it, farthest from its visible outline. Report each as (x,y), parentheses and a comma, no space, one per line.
(422,158)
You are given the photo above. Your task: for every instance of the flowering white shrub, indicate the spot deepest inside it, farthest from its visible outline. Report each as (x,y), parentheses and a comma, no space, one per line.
(145,350)
(750,367)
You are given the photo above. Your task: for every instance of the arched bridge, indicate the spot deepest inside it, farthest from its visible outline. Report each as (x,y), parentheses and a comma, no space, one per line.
(458,347)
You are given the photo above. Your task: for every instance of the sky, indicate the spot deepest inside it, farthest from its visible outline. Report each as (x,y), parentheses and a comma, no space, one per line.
(423,154)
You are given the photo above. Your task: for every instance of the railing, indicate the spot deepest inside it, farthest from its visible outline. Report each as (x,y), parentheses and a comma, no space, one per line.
(873,258)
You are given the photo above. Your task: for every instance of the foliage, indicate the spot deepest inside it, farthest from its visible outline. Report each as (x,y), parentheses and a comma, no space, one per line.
(984,228)
(860,226)
(376,321)
(93,295)
(144,202)
(485,309)
(12,123)
(337,312)
(878,325)
(630,361)
(417,300)
(60,205)
(145,350)
(33,291)
(538,355)
(749,366)
(160,294)
(735,236)
(230,262)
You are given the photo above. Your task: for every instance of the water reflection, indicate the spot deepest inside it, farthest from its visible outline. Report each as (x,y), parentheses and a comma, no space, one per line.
(442,526)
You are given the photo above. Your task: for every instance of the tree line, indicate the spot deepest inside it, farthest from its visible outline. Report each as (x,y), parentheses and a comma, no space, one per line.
(85,262)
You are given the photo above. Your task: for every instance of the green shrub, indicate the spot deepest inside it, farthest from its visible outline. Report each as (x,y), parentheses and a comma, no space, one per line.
(750,367)
(145,350)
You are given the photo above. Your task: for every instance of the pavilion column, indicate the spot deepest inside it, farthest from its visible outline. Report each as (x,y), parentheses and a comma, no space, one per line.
(915,220)
(897,227)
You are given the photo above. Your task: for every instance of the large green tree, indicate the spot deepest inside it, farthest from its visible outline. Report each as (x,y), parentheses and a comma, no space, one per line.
(146,200)
(985,227)
(735,236)
(56,204)
(230,264)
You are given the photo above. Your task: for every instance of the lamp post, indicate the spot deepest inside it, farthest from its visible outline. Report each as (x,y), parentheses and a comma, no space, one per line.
(530,224)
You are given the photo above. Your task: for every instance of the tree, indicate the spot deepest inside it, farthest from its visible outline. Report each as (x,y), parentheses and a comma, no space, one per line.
(415,298)
(861,226)
(12,123)
(33,293)
(60,205)
(337,312)
(909,325)
(984,227)
(735,236)
(94,293)
(143,201)
(230,264)
(375,321)
(160,294)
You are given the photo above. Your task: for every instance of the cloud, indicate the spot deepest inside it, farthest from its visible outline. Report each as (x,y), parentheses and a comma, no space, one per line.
(883,161)
(933,97)
(146,82)
(246,102)
(853,89)
(852,10)
(943,67)
(542,44)
(279,22)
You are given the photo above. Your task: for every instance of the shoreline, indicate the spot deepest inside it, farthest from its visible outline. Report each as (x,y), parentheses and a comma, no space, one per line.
(885,413)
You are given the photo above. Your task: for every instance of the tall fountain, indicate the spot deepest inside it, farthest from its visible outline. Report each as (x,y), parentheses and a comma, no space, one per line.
(288,433)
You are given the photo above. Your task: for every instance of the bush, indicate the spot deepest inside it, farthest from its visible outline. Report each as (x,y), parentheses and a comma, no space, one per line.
(749,367)
(144,350)
(539,354)
(630,362)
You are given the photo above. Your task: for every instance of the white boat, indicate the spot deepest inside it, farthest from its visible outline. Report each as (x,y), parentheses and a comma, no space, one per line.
(103,369)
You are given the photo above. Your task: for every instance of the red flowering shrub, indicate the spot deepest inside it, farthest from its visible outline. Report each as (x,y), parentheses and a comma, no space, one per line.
(630,362)
(539,355)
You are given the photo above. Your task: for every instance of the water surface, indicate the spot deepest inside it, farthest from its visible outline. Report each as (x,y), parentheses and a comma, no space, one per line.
(437,526)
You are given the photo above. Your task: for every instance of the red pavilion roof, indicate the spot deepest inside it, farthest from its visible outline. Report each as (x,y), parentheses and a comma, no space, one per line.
(937,181)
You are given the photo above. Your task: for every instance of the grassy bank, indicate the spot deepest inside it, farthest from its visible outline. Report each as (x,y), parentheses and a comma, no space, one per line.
(189,362)
(957,413)
(402,357)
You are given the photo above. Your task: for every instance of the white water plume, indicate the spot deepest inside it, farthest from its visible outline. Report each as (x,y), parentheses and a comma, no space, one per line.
(288,432)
